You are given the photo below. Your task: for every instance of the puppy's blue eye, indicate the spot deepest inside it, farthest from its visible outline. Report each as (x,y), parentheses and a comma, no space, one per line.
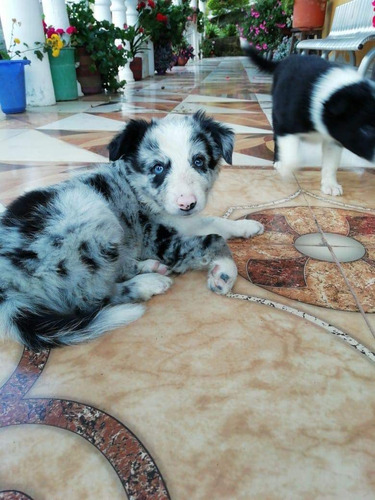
(158,169)
(199,162)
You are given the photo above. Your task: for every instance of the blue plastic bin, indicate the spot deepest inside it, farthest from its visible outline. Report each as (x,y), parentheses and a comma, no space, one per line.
(12,85)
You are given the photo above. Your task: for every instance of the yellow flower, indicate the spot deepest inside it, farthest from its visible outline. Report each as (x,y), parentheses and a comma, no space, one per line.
(55,52)
(17,40)
(60,44)
(49,41)
(55,36)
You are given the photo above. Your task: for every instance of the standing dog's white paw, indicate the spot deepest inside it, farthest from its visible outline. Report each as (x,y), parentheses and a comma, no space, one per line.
(245,228)
(332,188)
(222,276)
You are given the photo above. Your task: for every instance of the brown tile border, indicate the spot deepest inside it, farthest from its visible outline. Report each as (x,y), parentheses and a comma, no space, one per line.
(138,473)
(13,495)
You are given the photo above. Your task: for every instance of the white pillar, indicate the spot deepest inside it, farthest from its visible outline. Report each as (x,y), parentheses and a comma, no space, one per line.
(202,6)
(118,9)
(194,30)
(131,12)
(39,87)
(102,10)
(151,59)
(177,2)
(55,13)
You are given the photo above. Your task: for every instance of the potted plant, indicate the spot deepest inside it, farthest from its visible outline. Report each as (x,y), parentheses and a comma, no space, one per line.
(184,52)
(12,73)
(137,39)
(62,62)
(102,41)
(165,24)
(264,24)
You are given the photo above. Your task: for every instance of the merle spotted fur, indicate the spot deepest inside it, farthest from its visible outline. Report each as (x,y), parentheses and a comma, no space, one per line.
(76,258)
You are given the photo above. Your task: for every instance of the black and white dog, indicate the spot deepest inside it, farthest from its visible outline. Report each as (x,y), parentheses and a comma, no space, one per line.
(76,257)
(314,99)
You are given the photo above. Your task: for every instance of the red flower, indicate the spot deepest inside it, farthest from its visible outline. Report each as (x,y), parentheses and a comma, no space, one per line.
(126,26)
(161,18)
(141,30)
(71,30)
(60,31)
(151,4)
(120,47)
(141,5)
(50,31)
(44,27)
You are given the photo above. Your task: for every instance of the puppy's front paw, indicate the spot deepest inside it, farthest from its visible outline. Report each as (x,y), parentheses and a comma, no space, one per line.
(246,228)
(332,188)
(152,284)
(152,266)
(222,276)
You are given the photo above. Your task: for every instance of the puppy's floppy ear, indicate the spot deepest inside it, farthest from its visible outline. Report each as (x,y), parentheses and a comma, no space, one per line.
(126,143)
(223,136)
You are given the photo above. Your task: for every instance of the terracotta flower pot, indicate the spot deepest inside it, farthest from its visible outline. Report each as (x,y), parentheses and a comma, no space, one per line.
(309,14)
(136,67)
(182,60)
(90,81)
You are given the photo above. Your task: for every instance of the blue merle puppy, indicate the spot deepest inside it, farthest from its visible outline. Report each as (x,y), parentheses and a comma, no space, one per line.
(76,258)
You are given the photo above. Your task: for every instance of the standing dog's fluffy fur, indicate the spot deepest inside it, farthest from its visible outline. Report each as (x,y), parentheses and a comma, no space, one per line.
(316,99)
(76,257)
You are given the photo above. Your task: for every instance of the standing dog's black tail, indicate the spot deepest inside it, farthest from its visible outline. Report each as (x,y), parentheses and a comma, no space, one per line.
(261,62)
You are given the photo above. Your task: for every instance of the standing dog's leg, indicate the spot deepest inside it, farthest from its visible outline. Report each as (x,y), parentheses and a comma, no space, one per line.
(287,154)
(331,159)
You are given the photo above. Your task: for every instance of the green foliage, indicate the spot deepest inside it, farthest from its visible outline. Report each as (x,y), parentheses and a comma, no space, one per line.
(163,21)
(103,41)
(212,30)
(207,48)
(219,7)
(229,30)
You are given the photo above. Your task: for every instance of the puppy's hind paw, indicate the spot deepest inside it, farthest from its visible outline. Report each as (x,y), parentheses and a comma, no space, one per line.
(331,188)
(222,276)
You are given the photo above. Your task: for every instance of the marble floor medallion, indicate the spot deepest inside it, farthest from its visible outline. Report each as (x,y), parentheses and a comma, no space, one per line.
(293,259)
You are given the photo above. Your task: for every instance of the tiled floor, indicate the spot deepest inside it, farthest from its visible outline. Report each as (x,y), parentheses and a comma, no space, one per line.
(265,394)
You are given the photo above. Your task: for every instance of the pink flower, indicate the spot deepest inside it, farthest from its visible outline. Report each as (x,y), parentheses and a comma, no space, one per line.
(60,31)
(264,46)
(373,3)
(45,27)
(280,25)
(373,21)
(126,26)
(50,31)
(71,30)
(120,47)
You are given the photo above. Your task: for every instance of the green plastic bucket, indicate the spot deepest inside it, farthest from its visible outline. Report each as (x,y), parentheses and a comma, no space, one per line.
(63,71)
(12,85)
